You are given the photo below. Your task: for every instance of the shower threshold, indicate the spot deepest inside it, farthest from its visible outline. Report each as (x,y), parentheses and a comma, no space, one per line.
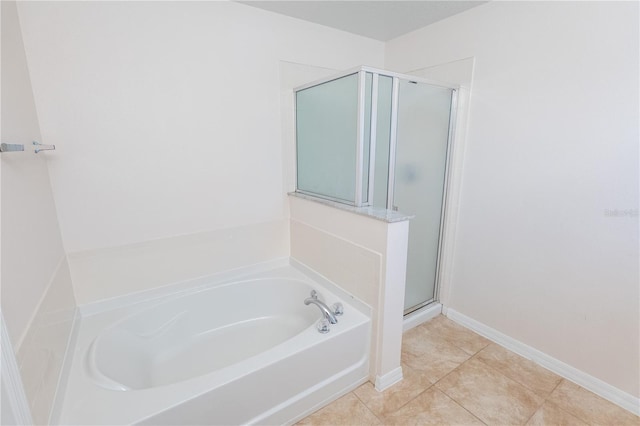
(421,315)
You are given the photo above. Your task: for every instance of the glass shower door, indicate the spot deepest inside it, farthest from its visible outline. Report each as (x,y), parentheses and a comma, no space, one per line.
(420,162)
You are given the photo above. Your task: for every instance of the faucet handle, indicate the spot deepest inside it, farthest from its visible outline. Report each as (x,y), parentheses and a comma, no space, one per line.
(337,308)
(323,326)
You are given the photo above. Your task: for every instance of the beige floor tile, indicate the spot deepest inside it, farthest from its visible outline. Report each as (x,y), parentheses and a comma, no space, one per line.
(348,410)
(589,407)
(526,372)
(384,403)
(494,386)
(456,334)
(551,415)
(432,407)
(489,395)
(430,353)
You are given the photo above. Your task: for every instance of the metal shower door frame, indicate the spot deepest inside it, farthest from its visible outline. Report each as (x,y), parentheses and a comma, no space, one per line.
(362,71)
(393,143)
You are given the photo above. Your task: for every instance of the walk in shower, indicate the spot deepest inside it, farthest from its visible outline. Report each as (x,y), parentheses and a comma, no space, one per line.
(370,137)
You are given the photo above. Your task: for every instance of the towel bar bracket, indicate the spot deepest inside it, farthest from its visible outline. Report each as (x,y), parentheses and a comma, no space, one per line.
(41,147)
(11,147)
(15,147)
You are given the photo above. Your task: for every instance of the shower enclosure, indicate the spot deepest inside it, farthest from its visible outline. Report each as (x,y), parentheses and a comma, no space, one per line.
(374,138)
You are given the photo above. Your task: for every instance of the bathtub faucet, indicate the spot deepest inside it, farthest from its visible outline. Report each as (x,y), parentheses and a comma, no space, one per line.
(328,314)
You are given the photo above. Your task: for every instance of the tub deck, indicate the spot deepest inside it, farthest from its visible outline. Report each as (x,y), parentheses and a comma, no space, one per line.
(279,382)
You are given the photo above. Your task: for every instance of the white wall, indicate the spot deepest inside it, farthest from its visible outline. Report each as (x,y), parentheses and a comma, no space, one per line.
(31,242)
(551,148)
(37,297)
(30,234)
(166,115)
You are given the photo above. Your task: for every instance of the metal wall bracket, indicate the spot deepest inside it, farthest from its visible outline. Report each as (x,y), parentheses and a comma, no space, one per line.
(15,147)
(40,147)
(11,147)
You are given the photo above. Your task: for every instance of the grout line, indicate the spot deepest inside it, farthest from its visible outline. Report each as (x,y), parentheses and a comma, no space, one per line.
(452,398)
(382,419)
(484,347)
(411,400)
(356,395)
(462,406)
(556,405)
(586,381)
(534,412)
(544,396)
(562,408)
(554,389)
(517,381)
(498,372)
(367,407)
(459,365)
(465,329)
(475,355)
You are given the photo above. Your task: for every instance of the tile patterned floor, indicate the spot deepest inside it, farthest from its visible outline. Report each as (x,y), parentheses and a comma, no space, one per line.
(456,377)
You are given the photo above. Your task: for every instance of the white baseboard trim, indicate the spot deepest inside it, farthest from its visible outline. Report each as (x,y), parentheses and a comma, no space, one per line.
(421,316)
(595,385)
(389,379)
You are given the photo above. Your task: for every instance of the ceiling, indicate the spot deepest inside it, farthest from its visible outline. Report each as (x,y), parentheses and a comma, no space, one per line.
(380,20)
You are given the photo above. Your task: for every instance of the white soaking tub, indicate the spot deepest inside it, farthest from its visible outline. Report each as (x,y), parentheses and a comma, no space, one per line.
(244,351)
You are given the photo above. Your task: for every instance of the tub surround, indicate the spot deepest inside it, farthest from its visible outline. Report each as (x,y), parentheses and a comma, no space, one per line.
(43,356)
(103,274)
(367,258)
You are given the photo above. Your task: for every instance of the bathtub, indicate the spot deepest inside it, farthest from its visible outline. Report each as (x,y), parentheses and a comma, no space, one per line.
(234,351)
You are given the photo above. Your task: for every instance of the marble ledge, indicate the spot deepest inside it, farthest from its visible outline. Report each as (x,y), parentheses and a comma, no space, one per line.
(377,213)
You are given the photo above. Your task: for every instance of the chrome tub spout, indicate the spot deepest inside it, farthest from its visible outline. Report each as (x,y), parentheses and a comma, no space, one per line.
(327,313)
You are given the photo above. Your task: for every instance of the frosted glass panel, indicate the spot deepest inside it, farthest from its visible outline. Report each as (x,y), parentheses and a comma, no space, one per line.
(326,138)
(421,153)
(383,133)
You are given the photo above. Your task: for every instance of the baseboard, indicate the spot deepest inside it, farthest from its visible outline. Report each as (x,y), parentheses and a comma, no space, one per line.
(595,385)
(421,316)
(389,379)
